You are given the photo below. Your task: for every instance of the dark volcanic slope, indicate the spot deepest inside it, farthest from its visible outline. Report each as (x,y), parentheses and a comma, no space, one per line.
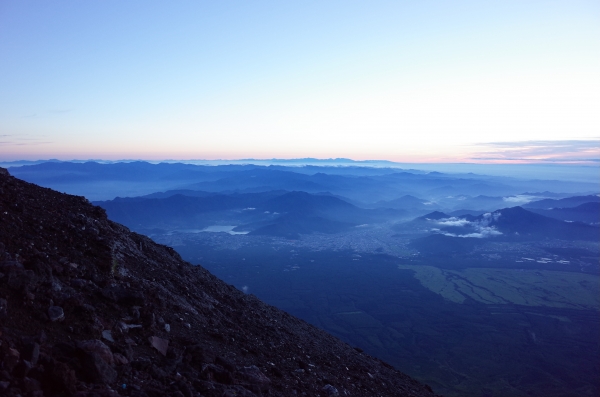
(88,308)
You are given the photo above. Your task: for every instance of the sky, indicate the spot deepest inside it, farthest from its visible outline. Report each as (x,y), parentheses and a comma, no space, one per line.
(407,81)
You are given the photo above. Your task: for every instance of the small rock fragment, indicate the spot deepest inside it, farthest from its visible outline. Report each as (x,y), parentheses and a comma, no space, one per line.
(106,334)
(31,353)
(167,328)
(56,286)
(14,353)
(97,346)
(31,385)
(120,359)
(121,328)
(97,370)
(123,295)
(160,344)
(56,313)
(78,283)
(330,390)
(22,369)
(254,376)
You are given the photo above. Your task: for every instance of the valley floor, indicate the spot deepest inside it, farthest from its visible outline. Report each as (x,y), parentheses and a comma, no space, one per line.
(506,319)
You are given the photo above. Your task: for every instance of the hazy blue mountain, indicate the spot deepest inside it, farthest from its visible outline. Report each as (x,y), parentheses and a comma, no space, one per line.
(101,181)
(546,194)
(182,192)
(181,211)
(515,223)
(67,172)
(459,213)
(303,213)
(260,180)
(409,203)
(420,225)
(449,235)
(563,203)
(273,213)
(98,181)
(587,213)
(519,222)
(433,215)
(303,202)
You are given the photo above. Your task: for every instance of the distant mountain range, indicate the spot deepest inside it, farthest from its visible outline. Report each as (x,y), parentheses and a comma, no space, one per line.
(586,213)
(101,181)
(567,202)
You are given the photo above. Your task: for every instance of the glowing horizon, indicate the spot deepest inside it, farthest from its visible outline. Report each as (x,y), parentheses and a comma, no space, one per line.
(528,152)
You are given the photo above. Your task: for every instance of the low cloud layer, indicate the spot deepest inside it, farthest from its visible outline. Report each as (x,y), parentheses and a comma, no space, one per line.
(453,222)
(521,199)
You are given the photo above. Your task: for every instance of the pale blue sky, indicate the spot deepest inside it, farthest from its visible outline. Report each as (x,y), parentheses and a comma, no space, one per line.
(397,80)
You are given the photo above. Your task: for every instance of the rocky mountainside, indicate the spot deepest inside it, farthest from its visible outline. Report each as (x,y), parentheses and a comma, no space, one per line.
(88,308)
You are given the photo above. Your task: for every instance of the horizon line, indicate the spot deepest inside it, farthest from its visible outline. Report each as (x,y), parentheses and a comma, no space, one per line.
(496,161)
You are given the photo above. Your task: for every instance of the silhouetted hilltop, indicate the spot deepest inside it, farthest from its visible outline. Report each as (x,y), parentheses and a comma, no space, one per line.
(88,308)
(305,202)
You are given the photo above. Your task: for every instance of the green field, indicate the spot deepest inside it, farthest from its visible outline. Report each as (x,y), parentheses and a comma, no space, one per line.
(521,287)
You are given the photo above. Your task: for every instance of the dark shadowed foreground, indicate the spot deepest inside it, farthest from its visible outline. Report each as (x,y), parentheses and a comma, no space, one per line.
(88,308)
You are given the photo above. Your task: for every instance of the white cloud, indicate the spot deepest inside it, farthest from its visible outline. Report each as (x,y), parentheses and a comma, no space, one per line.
(482,233)
(520,199)
(453,222)
(481,228)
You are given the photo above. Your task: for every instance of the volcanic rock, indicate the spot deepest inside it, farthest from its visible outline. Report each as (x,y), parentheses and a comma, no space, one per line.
(56,313)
